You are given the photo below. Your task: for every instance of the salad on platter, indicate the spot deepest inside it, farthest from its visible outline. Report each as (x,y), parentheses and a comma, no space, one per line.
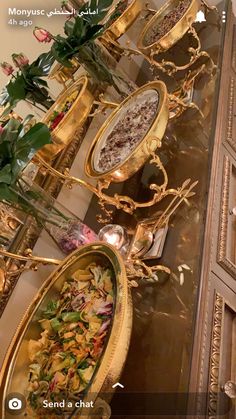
(75,328)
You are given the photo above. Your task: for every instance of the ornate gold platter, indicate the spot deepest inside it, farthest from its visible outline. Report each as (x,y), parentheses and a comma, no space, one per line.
(63,134)
(177,31)
(125,20)
(145,147)
(14,374)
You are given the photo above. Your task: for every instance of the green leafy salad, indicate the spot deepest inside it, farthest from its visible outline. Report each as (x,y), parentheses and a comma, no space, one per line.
(75,326)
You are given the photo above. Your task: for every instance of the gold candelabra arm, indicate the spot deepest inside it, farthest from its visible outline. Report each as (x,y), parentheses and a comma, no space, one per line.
(137,269)
(188,82)
(28,257)
(121,202)
(208,7)
(105,104)
(177,106)
(124,50)
(6,273)
(185,192)
(147,7)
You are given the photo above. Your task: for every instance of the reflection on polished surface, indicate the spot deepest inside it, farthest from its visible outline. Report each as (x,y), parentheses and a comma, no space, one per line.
(160,354)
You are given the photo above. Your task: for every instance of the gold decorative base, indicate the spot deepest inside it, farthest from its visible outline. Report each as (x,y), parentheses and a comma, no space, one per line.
(170,68)
(121,202)
(136,268)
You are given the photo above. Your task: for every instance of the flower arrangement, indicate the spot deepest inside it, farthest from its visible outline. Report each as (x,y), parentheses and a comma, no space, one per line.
(18,145)
(81,31)
(26,82)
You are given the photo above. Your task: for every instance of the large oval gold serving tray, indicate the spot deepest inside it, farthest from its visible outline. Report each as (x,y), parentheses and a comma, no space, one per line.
(150,142)
(125,20)
(63,134)
(14,374)
(177,31)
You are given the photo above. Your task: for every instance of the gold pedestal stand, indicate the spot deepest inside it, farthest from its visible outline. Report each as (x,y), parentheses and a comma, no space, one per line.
(170,68)
(121,202)
(136,267)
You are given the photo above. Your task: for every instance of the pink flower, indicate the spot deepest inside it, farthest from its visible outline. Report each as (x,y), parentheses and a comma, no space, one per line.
(20,60)
(1,129)
(7,68)
(42,35)
(89,235)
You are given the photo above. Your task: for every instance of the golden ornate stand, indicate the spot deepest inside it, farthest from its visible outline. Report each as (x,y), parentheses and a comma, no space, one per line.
(169,67)
(136,268)
(124,203)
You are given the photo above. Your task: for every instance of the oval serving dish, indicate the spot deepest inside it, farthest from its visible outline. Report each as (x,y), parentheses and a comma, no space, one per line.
(136,158)
(175,33)
(15,372)
(63,133)
(125,20)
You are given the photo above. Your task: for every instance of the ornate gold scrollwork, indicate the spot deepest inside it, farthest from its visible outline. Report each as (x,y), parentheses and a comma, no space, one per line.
(135,266)
(208,7)
(29,263)
(169,67)
(121,202)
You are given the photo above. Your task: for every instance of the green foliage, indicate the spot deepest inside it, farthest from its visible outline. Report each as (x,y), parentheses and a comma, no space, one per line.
(84,28)
(17,147)
(28,84)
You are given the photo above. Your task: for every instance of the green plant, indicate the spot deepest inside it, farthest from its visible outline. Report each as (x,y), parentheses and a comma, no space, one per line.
(18,145)
(83,28)
(27,82)
(81,32)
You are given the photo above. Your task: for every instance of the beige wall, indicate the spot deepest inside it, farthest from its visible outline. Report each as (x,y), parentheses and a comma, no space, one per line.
(15,38)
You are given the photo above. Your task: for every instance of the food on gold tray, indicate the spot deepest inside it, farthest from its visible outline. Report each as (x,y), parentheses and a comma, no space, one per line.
(59,114)
(75,327)
(128,132)
(160,28)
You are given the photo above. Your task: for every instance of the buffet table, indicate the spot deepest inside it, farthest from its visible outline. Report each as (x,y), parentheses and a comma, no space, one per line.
(182,347)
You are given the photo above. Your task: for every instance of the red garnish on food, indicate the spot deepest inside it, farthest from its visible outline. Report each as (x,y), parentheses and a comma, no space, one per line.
(57,120)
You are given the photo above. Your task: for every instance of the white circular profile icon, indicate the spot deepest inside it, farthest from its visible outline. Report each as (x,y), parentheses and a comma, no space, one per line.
(15,403)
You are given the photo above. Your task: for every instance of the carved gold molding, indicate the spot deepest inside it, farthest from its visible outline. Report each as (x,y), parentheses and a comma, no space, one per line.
(233,59)
(222,257)
(214,385)
(230,140)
